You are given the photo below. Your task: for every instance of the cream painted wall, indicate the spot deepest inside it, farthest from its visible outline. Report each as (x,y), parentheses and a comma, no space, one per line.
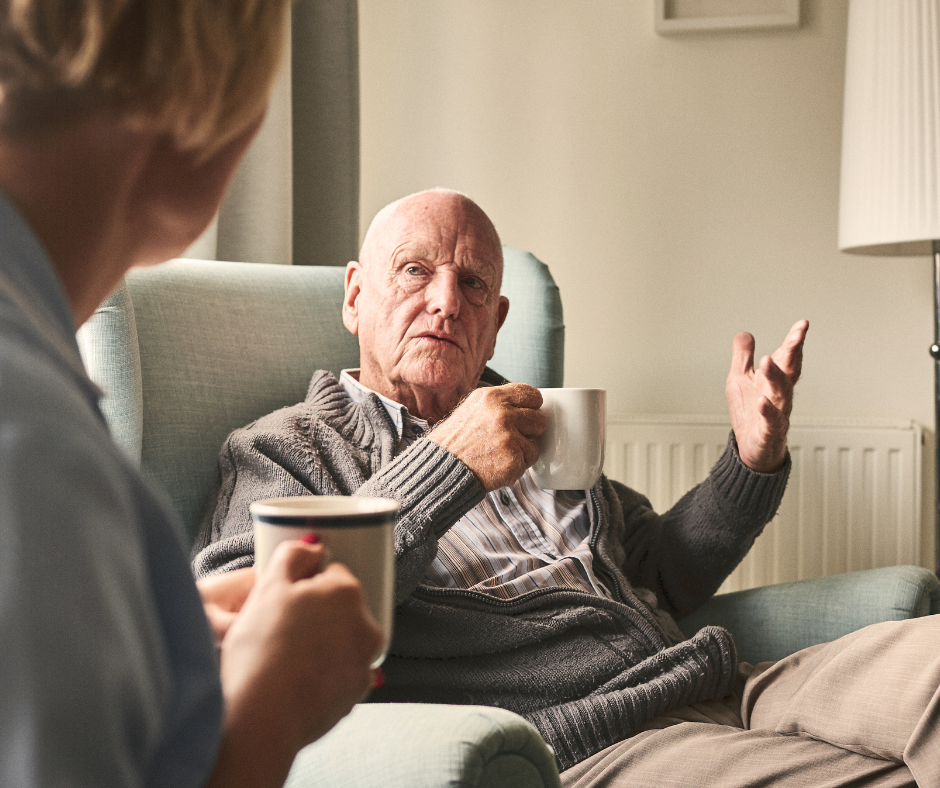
(681,189)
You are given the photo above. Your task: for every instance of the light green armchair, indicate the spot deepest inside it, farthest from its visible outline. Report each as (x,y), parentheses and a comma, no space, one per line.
(190,350)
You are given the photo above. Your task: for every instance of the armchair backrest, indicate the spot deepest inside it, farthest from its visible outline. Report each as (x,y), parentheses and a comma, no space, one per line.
(190,350)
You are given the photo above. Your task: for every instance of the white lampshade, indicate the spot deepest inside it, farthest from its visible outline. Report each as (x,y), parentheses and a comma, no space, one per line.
(890,189)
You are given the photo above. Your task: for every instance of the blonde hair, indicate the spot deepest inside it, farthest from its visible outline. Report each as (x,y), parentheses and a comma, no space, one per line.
(199,70)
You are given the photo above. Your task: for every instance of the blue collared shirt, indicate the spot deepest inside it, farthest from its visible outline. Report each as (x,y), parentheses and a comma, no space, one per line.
(108,675)
(516,540)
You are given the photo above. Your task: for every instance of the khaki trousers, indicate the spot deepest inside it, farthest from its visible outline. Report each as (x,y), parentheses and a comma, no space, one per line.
(863,710)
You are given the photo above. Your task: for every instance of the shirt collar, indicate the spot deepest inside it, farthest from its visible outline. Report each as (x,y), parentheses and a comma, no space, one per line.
(398,413)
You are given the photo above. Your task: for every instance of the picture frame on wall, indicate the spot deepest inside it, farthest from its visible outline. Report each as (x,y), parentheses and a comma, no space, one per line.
(690,16)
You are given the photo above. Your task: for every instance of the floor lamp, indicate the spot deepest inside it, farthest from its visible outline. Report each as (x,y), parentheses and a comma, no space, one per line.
(889,202)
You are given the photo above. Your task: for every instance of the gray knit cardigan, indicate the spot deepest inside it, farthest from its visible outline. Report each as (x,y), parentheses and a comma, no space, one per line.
(586,671)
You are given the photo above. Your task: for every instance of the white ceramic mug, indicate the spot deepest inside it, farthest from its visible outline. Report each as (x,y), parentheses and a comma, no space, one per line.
(357,532)
(571,450)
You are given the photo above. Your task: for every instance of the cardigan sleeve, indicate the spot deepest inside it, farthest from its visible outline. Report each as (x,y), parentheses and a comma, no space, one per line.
(290,453)
(686,553)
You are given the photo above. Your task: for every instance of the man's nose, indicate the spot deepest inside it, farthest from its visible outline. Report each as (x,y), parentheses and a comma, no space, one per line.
(443,294)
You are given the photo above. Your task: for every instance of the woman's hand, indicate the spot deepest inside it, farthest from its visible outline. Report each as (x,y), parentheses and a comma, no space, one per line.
(223,596)
(295,658)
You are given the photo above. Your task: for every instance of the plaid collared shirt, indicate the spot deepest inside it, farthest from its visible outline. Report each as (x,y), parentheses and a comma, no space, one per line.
(517,539)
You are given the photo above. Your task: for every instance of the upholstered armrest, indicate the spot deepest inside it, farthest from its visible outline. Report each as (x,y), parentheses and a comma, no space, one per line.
(417,745)
(771,622)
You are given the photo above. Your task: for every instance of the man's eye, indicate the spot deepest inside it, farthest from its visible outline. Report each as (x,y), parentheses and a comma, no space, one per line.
(472,281)
(413,270)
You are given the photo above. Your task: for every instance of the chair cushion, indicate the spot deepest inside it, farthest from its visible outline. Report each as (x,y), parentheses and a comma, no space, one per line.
(531,345)
(108,344)
(771,622)
(414,745)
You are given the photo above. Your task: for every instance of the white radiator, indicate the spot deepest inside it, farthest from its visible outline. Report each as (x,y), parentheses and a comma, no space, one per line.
(853,499)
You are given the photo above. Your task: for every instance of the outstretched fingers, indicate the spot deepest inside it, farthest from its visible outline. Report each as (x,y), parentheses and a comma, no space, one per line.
(789,356)
(742,354)
(776,386)
(776,420)
(760,400)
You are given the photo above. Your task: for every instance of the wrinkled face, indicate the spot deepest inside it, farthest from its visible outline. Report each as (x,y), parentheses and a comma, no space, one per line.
(424,299)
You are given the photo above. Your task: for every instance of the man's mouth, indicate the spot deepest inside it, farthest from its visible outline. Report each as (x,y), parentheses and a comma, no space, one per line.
(451,340)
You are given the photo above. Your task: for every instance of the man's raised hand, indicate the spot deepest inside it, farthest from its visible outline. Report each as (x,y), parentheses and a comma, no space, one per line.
(493,432)
(760,400)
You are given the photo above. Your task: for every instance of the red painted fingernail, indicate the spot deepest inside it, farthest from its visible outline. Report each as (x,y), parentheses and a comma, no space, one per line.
(378,678)
(310,539)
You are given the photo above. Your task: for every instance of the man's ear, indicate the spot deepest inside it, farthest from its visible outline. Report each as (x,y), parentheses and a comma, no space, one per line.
(351,298)
(501,311)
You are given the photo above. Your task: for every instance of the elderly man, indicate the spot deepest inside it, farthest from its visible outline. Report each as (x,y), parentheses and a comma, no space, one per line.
(560,606)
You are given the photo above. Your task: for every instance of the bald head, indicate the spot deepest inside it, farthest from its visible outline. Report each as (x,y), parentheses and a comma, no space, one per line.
(445,208)
(424,299)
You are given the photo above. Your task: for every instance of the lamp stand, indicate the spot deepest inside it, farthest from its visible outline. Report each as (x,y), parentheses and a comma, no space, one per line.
(935,352)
